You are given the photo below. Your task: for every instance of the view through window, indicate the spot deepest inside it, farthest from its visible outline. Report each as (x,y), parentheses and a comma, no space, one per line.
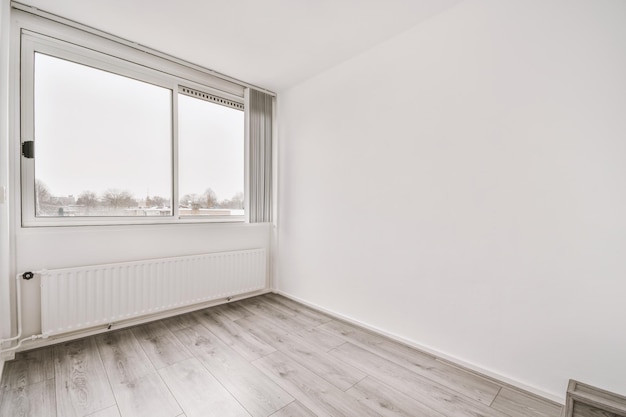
(104,147)
(103,142)
(211,155)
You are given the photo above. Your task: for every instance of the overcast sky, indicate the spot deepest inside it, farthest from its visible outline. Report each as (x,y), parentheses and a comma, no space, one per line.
(95,130)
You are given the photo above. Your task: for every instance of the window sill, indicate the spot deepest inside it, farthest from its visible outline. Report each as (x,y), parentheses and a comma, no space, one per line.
(125,221)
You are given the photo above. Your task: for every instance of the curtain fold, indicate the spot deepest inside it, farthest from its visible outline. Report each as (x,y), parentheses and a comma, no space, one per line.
(260,153)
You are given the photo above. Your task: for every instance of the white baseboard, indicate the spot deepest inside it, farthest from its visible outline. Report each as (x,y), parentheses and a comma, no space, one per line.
(453,360)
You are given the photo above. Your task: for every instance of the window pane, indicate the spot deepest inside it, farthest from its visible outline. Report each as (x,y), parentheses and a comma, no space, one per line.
(103,143)
(211,158)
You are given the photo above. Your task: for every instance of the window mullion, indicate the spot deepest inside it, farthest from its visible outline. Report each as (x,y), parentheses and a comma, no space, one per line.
(175,160)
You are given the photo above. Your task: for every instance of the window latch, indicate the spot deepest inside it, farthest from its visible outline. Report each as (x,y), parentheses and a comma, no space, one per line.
(28,149)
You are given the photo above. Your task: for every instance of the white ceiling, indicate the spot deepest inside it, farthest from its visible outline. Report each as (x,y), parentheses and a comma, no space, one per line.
(269,43)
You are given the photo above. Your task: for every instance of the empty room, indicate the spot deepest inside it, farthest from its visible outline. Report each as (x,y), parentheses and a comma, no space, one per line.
(299,208)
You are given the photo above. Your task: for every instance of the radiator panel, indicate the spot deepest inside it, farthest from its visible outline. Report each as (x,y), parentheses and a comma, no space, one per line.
(83,297)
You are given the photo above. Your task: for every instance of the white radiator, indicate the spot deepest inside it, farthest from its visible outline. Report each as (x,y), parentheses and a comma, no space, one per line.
(78,298)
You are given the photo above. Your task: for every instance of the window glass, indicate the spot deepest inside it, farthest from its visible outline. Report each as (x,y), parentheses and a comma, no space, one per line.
(211,158)
(103,142)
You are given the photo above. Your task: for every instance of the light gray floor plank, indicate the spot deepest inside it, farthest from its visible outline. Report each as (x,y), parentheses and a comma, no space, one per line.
(257,393)
(138,389)
(315,393)
(47,356)
(457,379)
(312,319)
(232,311)
(373,342)
(244,343)
(33,400)
(179,322)
(146,396)
(160,344)
(198,392)
(269,333)
(294,409)
(123,357)
(518,404)
(333,370)
(321,339)
(388,401)
(28,368)
(427,392)
(107,412)
(82,386)
(297,308)
(287,321)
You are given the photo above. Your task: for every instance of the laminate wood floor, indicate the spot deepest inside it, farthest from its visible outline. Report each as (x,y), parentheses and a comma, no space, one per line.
(260,357)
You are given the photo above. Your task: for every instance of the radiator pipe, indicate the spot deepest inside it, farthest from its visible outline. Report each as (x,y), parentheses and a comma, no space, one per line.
(18,285)
(18,288)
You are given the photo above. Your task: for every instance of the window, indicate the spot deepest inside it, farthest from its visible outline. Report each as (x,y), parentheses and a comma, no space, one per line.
(118,141)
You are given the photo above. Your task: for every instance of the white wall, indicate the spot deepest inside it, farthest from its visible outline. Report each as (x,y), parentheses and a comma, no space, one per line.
(463,186)
(5,322)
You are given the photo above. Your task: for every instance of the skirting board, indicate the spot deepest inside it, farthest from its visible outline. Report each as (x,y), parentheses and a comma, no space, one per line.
(480,371)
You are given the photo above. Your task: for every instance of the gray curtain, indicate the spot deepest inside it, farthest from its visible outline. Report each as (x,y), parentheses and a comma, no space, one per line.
(260,156)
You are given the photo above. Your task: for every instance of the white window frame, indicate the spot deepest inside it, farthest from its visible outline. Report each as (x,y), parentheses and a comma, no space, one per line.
(35,34)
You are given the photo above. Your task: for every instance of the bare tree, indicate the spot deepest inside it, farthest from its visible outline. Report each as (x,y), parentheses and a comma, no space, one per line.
(42,192)
(193,201)
(42,195)
(236,202)
(118,198)
(157,201)
(210,198)
(88,199)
